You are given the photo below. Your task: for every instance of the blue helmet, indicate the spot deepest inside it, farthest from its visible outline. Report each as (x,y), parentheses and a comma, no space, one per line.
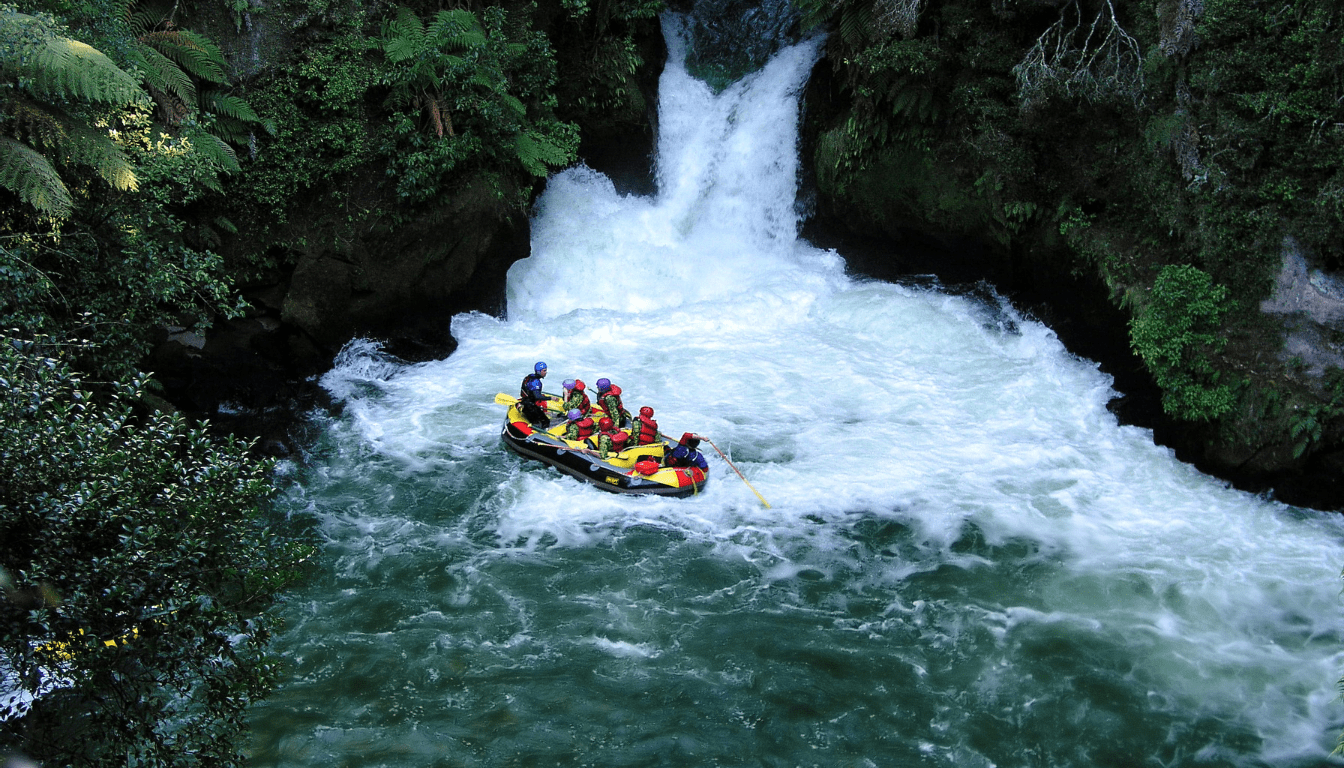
(603,385)
(539,367)
(575,414)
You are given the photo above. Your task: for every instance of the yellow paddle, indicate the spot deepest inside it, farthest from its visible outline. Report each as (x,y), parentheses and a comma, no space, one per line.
(503,399)
(730,464)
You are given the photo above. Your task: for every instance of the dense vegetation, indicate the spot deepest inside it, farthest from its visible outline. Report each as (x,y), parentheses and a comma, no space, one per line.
(137,564)
(1166,146)
(138,555)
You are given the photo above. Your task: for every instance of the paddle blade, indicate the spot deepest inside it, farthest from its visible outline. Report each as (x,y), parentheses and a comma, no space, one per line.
(503,399)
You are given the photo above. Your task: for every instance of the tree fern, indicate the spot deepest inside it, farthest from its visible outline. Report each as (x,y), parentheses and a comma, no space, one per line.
(31,122)
(51,66)
(403,37)
(41,72)
(535,151)
(855,21)
(92,147)
(25,172)
(235,120)
(216,150)
(458,29)
(227,105)
(514,104)
(194,53)
(163,75)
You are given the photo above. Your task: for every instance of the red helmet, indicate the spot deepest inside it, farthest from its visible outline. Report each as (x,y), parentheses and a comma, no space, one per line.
(578,384)
(646,412)
(615,390)
(605,424)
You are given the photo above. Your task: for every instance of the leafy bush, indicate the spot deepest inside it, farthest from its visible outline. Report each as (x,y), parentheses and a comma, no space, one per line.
(470,90)
(325,124)
(137,561)
(1177,333)
(120,266)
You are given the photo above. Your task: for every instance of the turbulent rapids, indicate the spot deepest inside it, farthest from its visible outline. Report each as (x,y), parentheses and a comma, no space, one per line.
(966,561)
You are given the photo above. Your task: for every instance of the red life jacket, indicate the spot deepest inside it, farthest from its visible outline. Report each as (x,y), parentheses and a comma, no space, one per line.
(643,430)
(586,427)
(615,442)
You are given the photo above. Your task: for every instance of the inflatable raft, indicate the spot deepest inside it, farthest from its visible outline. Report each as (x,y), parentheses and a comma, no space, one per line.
(636,470)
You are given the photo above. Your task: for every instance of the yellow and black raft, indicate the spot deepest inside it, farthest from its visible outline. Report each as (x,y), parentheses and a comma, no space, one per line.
(636,470)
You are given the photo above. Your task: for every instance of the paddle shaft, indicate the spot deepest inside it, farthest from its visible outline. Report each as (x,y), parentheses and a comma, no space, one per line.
(730,464)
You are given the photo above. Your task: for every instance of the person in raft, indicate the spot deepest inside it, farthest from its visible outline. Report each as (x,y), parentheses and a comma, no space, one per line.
(576,397)
(530,399)
(686,455)
(580,426)
(609,397)
(610,440)
(643,429)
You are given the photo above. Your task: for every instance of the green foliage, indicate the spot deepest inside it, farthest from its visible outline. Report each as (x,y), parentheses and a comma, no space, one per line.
(36,55)
(1177,333)
(325,125)
(598,59)
(48,85)
(466,90)
(185,73)
(1310,423)
(119,267)
(138,561)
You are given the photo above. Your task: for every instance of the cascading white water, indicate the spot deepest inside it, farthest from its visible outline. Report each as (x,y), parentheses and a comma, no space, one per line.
(966,560)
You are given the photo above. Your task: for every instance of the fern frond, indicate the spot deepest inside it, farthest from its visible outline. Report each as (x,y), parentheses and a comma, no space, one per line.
(217,151)
(487,80)
(855,21)
(195,53)
(146,15)
(29,175)
(56,66)
(144,20)
(536,151)
(230,130)
(456,30)
(92,147)
(34,123)
(404,36)
(164,75)
(514,104)
(228,105)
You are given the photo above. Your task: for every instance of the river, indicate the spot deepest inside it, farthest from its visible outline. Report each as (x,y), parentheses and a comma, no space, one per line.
(965,560)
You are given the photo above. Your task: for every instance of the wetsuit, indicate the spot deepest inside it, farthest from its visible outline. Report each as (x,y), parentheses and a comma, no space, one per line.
(682,456)
(531,401)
